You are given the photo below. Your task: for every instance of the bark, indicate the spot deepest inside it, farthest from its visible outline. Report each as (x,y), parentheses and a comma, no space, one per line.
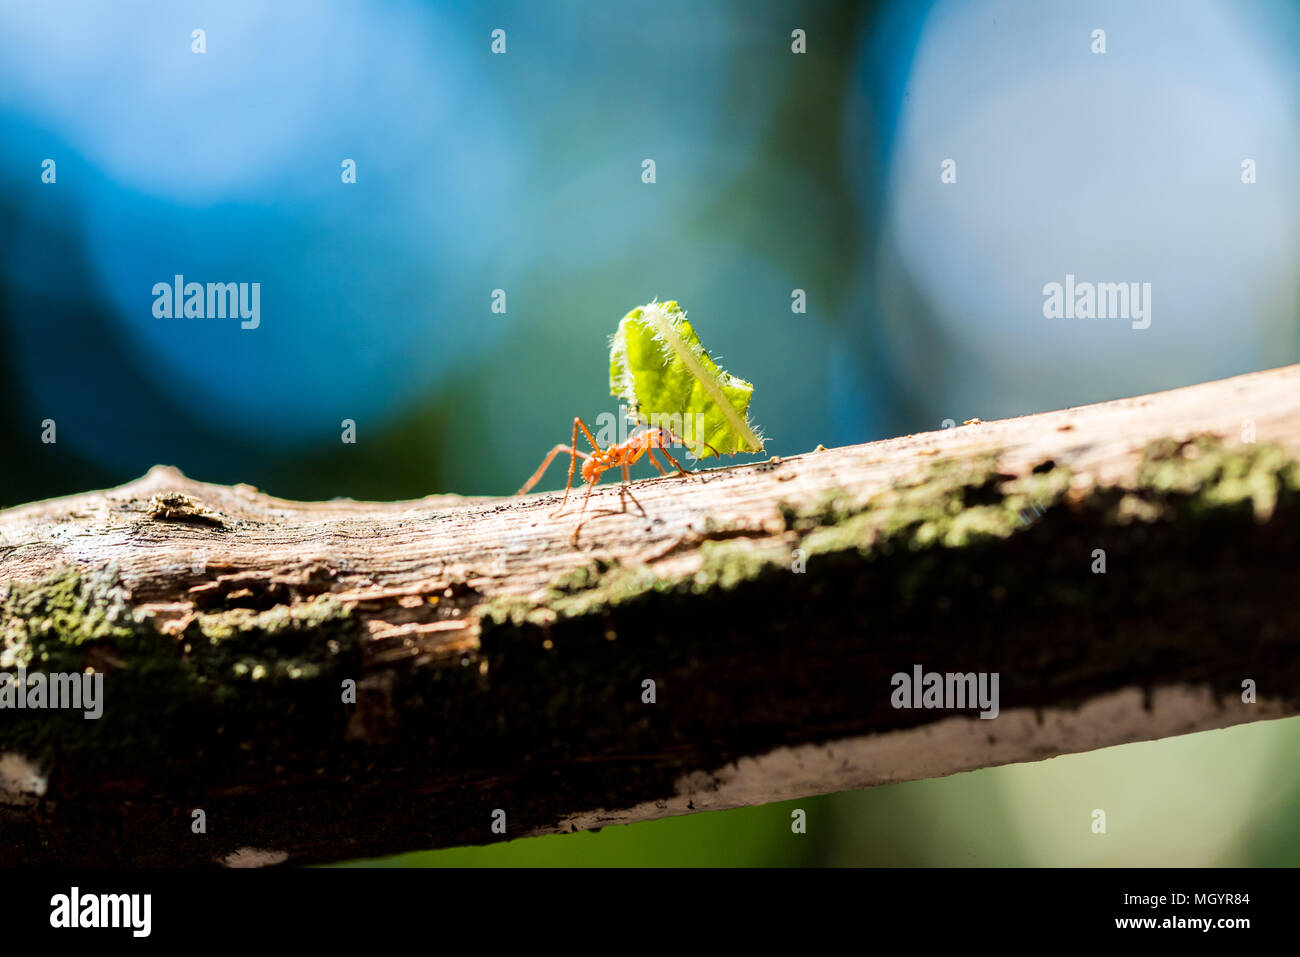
(500,665)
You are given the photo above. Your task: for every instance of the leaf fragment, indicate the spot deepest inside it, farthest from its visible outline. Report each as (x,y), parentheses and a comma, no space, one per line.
(658,366)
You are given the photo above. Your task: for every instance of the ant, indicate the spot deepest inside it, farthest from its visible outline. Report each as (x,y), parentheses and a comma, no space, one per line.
(618,455)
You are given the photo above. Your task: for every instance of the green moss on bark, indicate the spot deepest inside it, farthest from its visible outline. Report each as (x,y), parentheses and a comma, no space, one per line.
(234,668)
(956,504)
(49,624)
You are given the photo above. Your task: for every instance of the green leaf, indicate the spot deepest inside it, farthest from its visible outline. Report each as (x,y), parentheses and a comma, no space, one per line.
(659,368)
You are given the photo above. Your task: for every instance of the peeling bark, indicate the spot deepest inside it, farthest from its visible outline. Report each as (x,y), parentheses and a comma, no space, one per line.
(499,665)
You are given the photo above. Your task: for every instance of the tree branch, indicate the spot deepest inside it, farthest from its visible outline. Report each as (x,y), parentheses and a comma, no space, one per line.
(499,665)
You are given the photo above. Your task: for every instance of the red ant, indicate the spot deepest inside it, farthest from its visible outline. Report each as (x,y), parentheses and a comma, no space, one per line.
(618,455)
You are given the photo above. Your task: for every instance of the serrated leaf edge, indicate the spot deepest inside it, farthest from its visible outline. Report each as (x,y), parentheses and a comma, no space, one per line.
(665,332)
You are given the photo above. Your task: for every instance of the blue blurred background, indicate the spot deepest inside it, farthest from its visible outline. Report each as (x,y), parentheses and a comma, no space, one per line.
(775,171)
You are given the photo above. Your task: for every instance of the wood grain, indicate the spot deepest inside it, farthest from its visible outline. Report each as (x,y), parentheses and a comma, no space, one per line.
(501,665)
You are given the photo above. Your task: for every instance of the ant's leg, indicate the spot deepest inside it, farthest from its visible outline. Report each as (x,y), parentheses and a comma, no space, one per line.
(659,439)
(647,442)
(578,424)
(577,421)
(655,462)
(669,456)
(640,507)
(573,461)
(624,490)
(581,521)
(680,441)
(546,462)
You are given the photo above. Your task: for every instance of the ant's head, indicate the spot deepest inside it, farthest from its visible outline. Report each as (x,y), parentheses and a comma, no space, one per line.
(591,469)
